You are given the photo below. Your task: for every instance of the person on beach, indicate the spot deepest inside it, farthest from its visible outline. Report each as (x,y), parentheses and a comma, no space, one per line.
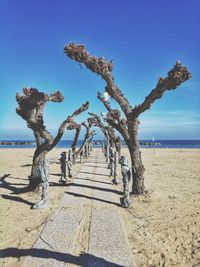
(126,174)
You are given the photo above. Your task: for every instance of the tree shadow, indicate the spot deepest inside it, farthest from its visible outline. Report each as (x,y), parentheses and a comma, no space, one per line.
(86,165)
(55,174)
(90,187)
(58,184)
(5,176)
(18,199)
(93,198)
(26,165)
(84,260)
(95,173)
(16,178)
(9,186)
(89,161)
(94,181)
(19,184)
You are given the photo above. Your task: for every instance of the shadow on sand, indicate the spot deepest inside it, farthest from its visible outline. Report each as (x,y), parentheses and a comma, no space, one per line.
(14,190)
(94,181)
(85,259)
(18,199)
(9,186)
(93,198)
(92,166)
(89,186)
(95,173)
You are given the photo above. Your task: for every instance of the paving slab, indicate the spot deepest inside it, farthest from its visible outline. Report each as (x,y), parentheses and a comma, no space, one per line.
(56,242)
(107,237)
(87,229)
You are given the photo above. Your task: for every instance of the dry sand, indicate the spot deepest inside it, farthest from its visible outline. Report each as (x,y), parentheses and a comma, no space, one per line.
(20,225)
(162,226)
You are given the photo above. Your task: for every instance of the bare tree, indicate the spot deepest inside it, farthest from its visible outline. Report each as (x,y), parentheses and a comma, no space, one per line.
(88,134)
(128,126)
(31,106)
(98,123)
(108,132)
(77,127)
(115,139)
(90,141)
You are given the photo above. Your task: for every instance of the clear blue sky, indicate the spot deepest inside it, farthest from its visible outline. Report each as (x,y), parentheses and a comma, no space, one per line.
(144,38)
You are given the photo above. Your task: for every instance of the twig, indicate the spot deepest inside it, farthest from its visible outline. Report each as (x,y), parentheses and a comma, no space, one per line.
(47,243)
(137,216)
(37,226)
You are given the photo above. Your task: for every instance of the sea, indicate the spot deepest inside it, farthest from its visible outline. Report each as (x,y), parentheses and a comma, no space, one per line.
(97,143)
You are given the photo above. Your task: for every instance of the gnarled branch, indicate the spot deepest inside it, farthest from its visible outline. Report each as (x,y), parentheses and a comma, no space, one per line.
(106,103)
(68,121)
(175,77)
(99,66)
(31,105)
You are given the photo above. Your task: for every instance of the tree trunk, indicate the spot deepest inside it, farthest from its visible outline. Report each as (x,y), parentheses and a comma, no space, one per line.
(137,171)
(37,138)
(38,159)
(74,144)
(136,161)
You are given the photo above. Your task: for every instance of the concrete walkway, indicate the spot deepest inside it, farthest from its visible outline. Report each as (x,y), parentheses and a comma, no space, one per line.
(87,229)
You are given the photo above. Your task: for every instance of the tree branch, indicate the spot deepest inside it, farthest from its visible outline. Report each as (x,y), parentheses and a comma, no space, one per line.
(106,104)
(118,127)
(175,77)
(87,136)
(68,121)
(37,138)
(31,105)
(101,67)
(77,127)
(99,124)
(92,135)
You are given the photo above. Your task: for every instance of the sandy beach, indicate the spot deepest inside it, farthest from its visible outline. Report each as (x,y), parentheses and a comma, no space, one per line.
(162,226)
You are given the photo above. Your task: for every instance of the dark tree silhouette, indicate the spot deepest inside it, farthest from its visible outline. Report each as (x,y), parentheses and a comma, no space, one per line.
(31,107)
(128,126)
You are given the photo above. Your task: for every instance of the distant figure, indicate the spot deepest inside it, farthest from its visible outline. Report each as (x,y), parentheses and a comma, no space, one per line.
(63,168)
(126,174)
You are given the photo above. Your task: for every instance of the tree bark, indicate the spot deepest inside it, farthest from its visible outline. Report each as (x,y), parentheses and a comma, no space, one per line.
(74,144)
(38,159)
(135,155)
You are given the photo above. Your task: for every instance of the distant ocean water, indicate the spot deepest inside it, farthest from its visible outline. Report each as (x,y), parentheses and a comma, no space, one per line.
(158,144)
